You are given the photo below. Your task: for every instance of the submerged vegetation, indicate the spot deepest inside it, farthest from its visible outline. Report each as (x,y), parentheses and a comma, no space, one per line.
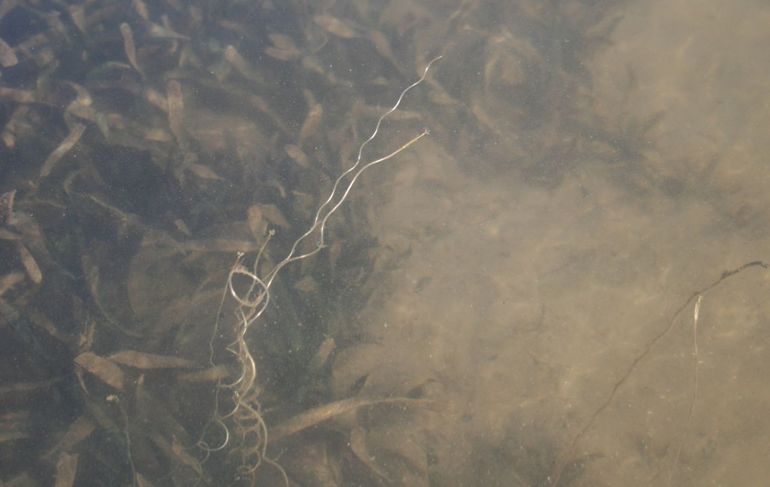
(164,162)
(146,146)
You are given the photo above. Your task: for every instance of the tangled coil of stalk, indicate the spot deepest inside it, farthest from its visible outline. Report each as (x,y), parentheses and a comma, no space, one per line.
(237,412)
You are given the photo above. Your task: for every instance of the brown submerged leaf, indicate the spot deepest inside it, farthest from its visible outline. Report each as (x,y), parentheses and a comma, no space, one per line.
(105,370)
(274,216)
(17,95)
(78,16)
(203,172)
(9,281)
(66,469)
(212,374)
(315,416)
(14,425)
(17,126)
(67,144)
(312,120)
(129,47)
(322,355)
(176,452)
(283,48)
(282,41)
(78,430)
(256,221)
(30,264)
(142,360)
(335,26)
(297,155)
(241,65)
(360,449)
(382,46)
(141,8)
(7,55)
(175,105)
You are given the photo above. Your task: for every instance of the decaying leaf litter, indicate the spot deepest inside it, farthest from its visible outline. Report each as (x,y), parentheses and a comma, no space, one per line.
(123,96)
(146,147)
(161,160)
